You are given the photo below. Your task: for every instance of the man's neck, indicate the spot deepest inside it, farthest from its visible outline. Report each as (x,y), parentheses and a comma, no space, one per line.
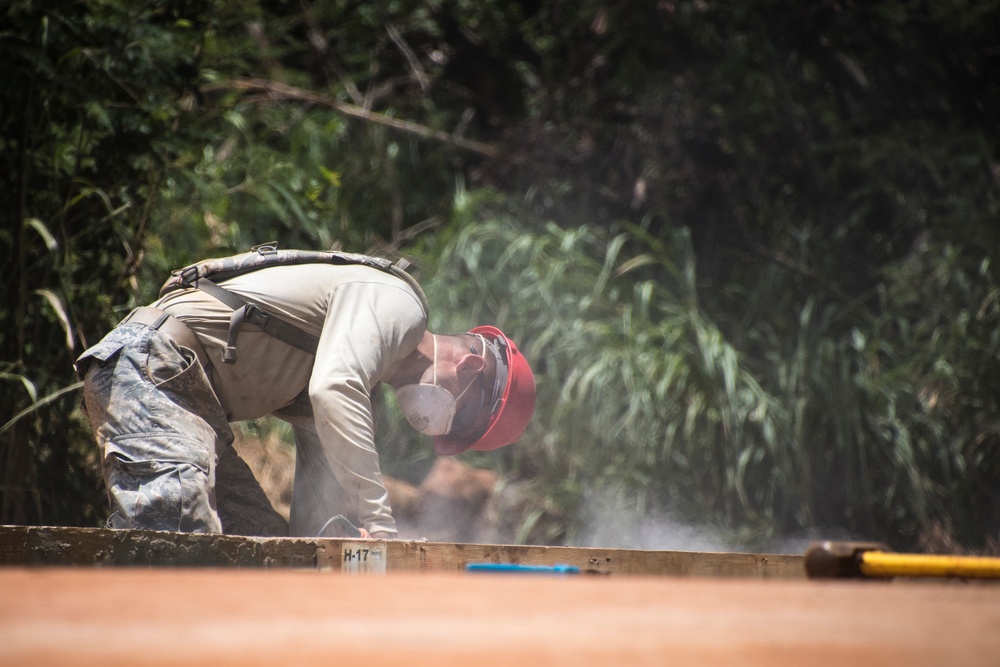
(416,363)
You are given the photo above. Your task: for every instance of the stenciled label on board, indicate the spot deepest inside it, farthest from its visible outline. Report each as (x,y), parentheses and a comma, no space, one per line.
(363,557)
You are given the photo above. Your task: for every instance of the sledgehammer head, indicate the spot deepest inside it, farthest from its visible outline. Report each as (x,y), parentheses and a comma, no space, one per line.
(832,560)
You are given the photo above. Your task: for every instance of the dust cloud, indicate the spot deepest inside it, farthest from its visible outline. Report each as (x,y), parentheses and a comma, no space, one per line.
(609,522)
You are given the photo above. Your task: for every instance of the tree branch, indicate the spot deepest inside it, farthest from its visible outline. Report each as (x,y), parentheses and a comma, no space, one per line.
(274,90)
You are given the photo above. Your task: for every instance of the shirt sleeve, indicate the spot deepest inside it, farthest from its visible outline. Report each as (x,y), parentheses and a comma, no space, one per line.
(369,328)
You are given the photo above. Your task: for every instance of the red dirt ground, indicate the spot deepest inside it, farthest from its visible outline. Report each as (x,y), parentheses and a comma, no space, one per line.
(270,617)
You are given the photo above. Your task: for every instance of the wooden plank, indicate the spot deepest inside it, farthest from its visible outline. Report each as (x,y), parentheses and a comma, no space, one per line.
(31,545)
(454,557)
(48,545)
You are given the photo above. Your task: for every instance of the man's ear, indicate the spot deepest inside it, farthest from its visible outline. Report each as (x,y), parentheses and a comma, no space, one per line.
(471,362)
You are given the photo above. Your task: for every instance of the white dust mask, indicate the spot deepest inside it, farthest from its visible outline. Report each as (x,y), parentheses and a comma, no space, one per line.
(428,407)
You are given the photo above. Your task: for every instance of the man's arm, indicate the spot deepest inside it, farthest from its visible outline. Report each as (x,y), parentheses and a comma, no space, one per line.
(369,328)
(318,495)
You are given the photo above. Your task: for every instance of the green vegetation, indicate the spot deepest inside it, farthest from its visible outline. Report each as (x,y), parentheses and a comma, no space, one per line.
(750,247)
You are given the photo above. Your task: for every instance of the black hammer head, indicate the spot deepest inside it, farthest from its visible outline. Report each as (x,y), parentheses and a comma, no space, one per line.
(832,560)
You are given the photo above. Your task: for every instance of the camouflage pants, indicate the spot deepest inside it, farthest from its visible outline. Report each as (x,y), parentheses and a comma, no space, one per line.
(160,429)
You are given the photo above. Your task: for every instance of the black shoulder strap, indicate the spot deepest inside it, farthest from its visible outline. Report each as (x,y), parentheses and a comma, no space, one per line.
(248,312)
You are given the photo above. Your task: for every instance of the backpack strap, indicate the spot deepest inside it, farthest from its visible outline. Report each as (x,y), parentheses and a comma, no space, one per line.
(262,257)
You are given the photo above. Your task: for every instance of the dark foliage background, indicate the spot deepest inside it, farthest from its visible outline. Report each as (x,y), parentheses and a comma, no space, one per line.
(750,246)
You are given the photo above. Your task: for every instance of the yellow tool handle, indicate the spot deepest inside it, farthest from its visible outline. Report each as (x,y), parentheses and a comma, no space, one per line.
(881,564)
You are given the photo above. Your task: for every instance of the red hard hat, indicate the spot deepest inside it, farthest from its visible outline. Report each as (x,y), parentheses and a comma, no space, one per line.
(517,402)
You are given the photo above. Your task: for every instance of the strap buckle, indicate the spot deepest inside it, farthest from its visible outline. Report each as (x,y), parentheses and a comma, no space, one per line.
(269,248)
(189,276)
(255,315)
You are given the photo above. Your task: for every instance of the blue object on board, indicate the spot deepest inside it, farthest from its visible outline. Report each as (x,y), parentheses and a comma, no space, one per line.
(523,569)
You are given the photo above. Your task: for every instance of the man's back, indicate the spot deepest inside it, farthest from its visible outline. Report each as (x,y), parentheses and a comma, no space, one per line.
(367,321)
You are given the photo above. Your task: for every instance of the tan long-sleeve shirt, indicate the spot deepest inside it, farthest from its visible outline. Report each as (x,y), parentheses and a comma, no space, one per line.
(367,321)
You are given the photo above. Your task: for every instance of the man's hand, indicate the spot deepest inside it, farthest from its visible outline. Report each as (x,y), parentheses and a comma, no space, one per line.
(377,535)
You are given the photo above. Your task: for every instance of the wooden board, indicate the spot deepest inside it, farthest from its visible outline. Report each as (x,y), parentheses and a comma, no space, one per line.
(218,617)
(28,545)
